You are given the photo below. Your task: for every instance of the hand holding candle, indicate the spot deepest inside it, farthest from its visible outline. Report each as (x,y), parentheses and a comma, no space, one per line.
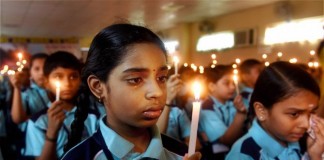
(58,85)
(176,61)
(195,118)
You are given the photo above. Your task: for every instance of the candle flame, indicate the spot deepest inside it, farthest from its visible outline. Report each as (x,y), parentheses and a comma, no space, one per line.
(279,54)
(197,90)
(237,60)
(175,59)
(57,84)
(235,78)
(312,52)
(19,55)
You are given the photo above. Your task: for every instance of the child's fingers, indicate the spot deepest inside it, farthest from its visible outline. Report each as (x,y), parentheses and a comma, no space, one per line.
(195,156)
(319,127)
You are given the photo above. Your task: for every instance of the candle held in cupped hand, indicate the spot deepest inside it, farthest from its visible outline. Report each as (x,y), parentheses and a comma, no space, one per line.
(235,79)
(58,87)
(176,61)
(195,119)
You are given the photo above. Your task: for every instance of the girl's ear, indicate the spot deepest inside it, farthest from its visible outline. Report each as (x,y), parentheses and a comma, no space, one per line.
(95,86)
(260,111)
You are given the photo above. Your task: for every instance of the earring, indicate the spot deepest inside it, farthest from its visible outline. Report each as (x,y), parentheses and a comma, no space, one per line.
(99,99)
(261,117)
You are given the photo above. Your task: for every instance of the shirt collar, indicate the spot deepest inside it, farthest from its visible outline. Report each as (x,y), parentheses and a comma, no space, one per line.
(218,104)
(115,142)
(247,89)
(34,85)
(268,144)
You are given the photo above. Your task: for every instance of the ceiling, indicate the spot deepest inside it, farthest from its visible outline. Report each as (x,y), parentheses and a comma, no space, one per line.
(83,18)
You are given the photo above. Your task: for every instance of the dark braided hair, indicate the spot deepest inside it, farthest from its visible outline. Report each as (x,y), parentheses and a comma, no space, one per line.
(107,51)
(80,116)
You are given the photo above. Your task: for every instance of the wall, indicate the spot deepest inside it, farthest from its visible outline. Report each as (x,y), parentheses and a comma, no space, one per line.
(258,18)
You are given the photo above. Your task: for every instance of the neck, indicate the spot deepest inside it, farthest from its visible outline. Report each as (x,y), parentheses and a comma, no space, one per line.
(140,137)
(222,101)
(265,128)
(249,84)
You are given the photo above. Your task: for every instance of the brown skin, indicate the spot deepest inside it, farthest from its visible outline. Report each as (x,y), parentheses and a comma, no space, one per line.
(288,120)
(141,77)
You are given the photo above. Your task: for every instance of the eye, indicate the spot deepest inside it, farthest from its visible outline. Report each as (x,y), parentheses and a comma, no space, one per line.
(162,79)
(58,77)
(134,81)
(74,77)
(294,115)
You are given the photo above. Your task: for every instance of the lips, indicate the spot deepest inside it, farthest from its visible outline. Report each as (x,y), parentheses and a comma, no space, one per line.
(298,135)
(66,92)
(153,113)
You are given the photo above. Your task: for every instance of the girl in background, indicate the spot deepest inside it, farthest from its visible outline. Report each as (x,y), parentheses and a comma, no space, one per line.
(284,98)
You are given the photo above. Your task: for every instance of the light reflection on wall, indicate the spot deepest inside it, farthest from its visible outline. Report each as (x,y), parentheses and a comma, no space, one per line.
(217,41)
(310,29)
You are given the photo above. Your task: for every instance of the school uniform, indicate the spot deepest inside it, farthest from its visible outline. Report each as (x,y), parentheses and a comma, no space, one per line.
(5,100)
(37,127)
(34,99)
(178,124)
(106,144)
(258,144)
(214,120)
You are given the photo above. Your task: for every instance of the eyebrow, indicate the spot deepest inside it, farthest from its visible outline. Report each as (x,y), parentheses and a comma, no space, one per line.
(297,109)
(163,68)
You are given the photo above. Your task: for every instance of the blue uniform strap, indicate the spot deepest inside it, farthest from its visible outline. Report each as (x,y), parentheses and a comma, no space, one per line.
(100,140)
(208,104)
(251,148)
(245,94)
(174,145)
(88,149)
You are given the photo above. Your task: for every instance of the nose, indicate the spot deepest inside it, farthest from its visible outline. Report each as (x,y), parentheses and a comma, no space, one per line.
(305,122)
(154,90)
(66,82)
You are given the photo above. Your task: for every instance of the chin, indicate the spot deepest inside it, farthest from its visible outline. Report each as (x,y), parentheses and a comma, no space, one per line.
(149,123)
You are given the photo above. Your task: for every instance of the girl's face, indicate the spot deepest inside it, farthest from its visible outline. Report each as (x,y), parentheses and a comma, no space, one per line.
(69,82)
(36,71)
(224,88)
(135,92)
(288,120)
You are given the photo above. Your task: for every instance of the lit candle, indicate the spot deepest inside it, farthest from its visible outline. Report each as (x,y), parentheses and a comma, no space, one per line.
(195,119)
(235,79)
(312,52)
(176,61)
(58,85)
(20,57)
(213,56)
(264,56)
(279,55)
(238,61)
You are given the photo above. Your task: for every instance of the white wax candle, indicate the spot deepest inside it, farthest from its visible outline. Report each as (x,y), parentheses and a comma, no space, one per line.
(176,61)
(20,56)
(58,85)
(235,79)
(194,127)
(194,120)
